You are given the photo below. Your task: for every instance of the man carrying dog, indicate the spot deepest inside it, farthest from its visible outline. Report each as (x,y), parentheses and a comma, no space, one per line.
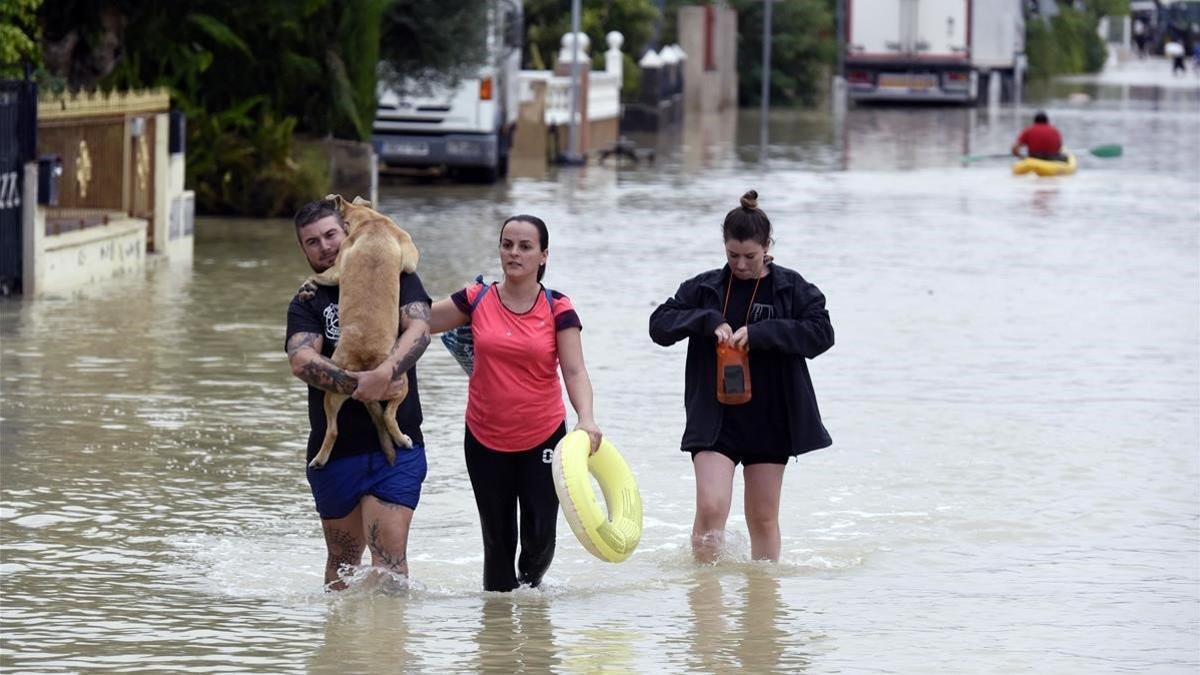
(363,501)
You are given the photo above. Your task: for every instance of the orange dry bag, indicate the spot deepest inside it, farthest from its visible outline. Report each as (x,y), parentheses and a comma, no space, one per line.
(733,375)
(733,363)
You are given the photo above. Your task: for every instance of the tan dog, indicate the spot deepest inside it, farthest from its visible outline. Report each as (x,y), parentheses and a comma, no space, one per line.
(367,269)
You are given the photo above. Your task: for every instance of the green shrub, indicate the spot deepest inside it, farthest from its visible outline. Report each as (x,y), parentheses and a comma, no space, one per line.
(1066,44)
(240,162)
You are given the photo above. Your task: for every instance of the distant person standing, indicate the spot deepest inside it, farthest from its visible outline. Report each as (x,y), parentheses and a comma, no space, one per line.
(1174,51)
(1139,37)
(1040,140)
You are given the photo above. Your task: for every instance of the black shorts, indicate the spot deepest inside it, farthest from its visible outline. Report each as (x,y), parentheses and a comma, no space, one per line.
(740,457)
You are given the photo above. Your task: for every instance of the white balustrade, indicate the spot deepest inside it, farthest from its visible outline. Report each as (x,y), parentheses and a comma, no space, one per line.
(525,83)
(558,100)
(604,96)
(603,91)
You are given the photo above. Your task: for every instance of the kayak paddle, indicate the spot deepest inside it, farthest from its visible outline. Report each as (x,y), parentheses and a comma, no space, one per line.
(975,158)
(1108,151)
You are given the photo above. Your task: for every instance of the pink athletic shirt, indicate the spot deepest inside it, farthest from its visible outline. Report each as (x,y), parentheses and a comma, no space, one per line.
(514,399)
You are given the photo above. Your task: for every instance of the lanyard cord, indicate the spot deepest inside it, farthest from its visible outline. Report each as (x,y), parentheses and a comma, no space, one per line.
(749,307)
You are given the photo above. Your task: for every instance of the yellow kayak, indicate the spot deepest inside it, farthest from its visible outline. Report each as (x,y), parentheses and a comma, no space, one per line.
(1045,167)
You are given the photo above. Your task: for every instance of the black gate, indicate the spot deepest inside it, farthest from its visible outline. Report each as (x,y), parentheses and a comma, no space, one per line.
(18,145)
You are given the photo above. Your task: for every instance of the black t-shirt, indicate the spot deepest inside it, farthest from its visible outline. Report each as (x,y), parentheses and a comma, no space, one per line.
(759,426)
(356,432)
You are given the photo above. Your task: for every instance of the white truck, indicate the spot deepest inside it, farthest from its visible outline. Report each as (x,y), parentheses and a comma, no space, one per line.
(932,50)
(466,128)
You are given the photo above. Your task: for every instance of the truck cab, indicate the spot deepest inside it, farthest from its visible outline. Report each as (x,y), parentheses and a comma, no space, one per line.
(467,127)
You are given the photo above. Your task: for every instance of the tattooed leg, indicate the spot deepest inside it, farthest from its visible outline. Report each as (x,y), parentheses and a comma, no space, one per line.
(387,534)
(344,546)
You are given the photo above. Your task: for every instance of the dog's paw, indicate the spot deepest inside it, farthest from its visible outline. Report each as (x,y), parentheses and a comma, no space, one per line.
(307,290)
(405,442)
(316,463)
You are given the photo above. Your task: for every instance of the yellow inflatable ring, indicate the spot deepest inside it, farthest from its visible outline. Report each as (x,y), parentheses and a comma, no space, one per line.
(612,537)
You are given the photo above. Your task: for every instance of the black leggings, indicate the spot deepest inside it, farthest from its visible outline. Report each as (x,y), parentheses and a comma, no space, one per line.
(500,481)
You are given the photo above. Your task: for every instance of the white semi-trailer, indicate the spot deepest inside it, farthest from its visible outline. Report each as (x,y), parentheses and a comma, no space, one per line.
(467,127)
(930,50)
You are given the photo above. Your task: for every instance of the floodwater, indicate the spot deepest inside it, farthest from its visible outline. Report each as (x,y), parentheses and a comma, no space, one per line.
(1014,483)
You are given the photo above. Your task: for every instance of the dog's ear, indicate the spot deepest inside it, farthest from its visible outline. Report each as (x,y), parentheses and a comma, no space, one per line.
(359,201)
(338,202)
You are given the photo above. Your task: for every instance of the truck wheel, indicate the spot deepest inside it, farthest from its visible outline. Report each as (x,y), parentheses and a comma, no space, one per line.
(502,165)
(505,151)
(485,175)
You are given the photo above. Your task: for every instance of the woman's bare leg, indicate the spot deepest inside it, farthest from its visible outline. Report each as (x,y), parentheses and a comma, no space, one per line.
(764,482)
(714,492)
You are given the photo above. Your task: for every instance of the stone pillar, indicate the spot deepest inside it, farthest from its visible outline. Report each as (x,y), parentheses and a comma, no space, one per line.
(162,180)
(708,36)
(652,67)
(563,68)
(530,144)
(614,58)
(33,231)
(682,69)
(670,83)
(727,66)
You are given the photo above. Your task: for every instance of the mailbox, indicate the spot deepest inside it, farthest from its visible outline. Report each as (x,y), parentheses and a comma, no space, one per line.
(50,169)
(177,132)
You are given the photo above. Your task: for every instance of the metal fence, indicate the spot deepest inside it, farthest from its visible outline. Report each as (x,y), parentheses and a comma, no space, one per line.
(18,143)
(106,143)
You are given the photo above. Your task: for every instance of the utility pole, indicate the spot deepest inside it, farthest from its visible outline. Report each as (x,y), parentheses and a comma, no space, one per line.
(766,78)
(573,131)
(837,87)
(841,37)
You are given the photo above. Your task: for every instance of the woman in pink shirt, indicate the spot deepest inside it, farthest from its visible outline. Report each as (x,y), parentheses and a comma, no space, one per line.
(523,335)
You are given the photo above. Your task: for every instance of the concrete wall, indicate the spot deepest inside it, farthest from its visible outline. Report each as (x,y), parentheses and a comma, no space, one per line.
(352,166)
(603,133)
(531,142)
(91,255)
(705,90)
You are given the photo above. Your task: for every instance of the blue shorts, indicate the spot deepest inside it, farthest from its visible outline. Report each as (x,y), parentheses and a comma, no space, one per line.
(343,482)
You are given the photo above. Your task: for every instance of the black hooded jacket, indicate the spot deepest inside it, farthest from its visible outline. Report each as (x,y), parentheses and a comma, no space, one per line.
(803,332)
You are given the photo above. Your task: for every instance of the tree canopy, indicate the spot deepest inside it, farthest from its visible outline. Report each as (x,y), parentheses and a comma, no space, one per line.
(250,74)
(19,36)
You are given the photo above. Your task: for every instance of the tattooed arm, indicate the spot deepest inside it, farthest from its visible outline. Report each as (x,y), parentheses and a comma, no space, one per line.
(304,355)
(385,380)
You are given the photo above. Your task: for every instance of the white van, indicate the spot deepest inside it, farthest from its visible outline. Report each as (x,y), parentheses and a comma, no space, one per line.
(467,128)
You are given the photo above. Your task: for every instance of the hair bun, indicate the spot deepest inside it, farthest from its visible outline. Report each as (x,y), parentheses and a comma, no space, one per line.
(750,200)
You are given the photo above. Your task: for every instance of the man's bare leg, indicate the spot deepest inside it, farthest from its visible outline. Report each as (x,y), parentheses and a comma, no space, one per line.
(344,544)
(385,527)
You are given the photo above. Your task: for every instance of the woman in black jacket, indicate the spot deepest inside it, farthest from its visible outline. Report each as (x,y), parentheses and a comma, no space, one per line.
(779,319)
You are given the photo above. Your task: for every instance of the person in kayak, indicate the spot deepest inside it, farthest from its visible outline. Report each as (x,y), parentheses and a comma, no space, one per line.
(1040,140)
